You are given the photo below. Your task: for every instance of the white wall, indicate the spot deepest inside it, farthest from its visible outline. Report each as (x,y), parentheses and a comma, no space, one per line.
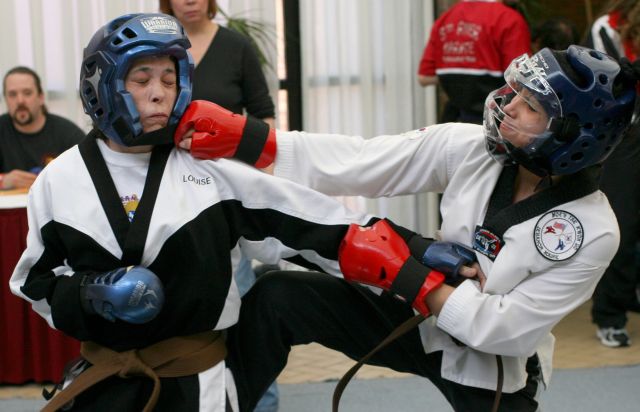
(360,60)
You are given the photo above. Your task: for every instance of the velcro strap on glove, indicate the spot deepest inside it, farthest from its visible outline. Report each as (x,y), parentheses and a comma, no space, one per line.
(254,137)
(409,280)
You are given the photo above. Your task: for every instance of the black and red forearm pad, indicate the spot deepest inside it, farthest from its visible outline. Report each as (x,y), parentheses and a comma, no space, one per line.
(379,256)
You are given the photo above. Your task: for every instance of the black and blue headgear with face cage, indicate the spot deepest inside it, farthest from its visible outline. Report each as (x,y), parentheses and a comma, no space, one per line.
(588,104)
(109,56)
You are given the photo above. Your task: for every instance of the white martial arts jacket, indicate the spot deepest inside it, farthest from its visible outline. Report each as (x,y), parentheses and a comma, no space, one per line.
(549,264)
(203,210)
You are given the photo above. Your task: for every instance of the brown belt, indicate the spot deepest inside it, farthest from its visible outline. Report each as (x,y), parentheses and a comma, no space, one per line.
(175,357)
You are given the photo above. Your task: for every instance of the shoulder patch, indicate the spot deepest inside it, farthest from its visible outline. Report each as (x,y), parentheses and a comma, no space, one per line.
(487,242)
(558,235)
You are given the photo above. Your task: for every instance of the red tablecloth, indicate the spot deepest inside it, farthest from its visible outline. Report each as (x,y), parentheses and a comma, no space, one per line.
(29,349)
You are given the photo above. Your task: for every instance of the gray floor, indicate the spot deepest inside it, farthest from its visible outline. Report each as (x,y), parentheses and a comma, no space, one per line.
(583,390)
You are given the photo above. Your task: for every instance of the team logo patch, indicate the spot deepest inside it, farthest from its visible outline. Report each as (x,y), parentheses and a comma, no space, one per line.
(558,235)
(487,242)
(161,25)
(130,204)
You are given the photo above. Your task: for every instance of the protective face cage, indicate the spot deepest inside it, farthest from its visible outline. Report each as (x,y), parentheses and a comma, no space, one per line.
(559,112)
(107,59)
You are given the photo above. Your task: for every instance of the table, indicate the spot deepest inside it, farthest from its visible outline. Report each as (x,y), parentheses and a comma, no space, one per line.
(30,350)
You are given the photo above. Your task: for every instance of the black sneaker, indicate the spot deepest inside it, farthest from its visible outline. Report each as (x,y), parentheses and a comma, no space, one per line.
(613,337)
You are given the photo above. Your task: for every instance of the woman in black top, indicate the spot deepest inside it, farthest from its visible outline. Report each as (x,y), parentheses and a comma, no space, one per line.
(227,69)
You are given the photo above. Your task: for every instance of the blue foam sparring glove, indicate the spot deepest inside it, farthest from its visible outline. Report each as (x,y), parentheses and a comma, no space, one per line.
(447,258)
(133,294)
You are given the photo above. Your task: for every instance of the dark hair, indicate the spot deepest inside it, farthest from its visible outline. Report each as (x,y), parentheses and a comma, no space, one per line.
(22,70)
(555,33)
(36,80)
(165,7)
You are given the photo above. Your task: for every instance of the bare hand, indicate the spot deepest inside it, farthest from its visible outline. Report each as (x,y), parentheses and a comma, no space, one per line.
(18,179)
(474,272)
(185,142)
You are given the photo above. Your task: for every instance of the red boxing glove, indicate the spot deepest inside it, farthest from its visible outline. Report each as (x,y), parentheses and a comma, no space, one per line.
(378,256)
(221,133)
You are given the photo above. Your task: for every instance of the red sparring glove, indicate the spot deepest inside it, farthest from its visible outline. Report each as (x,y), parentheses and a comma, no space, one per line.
(221,133)
(378,256)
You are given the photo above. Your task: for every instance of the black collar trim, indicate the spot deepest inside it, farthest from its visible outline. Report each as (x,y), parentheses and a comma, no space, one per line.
(502,214)
(130,236)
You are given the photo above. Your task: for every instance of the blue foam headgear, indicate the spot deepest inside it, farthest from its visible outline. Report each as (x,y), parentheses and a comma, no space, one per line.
(109,56)
(589,105)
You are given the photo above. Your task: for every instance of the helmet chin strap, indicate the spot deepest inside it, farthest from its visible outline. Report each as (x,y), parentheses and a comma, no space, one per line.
(522,159)
(157,137)
(519,158)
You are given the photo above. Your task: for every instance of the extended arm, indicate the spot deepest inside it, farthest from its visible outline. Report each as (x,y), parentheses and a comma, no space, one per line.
(277,219)
(417,161)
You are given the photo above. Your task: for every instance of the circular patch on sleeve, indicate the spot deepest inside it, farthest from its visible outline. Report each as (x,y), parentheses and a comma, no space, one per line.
(558,235)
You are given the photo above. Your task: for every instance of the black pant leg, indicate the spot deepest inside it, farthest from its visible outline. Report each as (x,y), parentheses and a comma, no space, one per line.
(620,181)
(289,308)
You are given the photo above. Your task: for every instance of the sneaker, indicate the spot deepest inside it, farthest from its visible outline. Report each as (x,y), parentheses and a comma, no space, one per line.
(613,337)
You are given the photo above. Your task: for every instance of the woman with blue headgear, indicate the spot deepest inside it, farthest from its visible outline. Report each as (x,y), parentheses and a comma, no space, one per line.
(521,190)
(130,238)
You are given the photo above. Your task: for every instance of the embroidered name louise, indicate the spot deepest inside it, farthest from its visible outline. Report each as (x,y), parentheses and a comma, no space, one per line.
(197,180)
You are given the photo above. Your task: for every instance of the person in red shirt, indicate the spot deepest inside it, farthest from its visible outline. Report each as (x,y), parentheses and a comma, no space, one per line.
(469,48)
